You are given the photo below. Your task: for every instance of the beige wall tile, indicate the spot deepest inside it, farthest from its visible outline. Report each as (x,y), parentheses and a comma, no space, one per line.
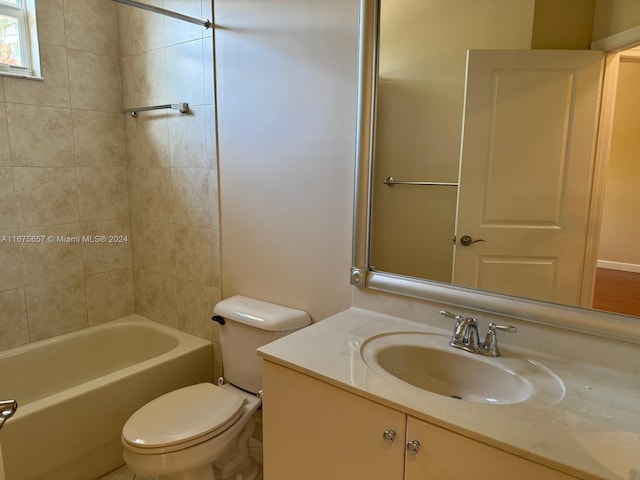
(42,141)
(98,138)
(10,261)
(177,31)
(109,296)
(92,26)
(159,248)
(128,81)
(181,251)
(149,193)
(215,202)
(7,200)
(52,91)
(195,307)
(140,31)
(102,193)
(58,257)
(149,83)
(156,297)
(210,147)
(147,139)
(13,319)
(114,252)
(137,243)
(185,73)
(215,259)
(169,242)
(56,308)
(4,134)
(169,250)
(50,19)
(208,70)
(188,139)
(45,195)
(139,294)
(94,81)
(193,254)
(40,136)
(191,197)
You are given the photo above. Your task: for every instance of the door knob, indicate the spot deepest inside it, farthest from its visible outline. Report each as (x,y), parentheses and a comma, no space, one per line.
(466,240)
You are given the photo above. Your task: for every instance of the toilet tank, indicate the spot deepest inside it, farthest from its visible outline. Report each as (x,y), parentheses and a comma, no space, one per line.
(249,324)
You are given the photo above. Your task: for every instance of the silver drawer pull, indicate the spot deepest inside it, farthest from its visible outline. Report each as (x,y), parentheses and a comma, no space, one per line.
(389,436)
(413,447)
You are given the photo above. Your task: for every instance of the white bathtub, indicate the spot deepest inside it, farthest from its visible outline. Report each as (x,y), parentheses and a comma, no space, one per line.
(76,391)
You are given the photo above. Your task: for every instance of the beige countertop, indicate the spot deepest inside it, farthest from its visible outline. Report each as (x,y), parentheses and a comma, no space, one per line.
(593,432)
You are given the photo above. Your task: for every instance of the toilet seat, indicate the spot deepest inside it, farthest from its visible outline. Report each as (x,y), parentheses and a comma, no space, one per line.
(181,418)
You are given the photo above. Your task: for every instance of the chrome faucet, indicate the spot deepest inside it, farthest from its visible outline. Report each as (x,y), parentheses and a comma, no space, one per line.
(465,335)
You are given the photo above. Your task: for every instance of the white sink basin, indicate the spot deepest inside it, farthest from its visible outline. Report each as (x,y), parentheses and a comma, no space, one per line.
(426,361)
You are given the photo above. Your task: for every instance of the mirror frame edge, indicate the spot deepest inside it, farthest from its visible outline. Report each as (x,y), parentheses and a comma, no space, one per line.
(365,127)
(604,324)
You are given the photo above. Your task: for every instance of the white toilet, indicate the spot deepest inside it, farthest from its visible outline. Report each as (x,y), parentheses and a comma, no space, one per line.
(201,432)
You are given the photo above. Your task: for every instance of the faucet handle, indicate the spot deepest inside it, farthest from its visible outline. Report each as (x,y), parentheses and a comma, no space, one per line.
(491,340)
(458,331)
(451,315)
(503,328)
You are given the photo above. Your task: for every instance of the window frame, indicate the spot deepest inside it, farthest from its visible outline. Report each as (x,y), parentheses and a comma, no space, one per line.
(24,12)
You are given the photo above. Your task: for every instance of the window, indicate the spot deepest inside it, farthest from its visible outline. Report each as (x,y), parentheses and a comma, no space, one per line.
(18,47)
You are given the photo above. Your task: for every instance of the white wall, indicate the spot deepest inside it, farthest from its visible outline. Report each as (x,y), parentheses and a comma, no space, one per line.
(615,16)
(286,81)
(620,226)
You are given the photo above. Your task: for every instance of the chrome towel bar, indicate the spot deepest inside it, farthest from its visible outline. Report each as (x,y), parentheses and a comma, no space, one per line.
(183,107)
(169,13)
(390,181)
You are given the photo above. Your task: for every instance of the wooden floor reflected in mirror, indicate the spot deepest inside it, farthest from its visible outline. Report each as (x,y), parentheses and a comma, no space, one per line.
(617,291)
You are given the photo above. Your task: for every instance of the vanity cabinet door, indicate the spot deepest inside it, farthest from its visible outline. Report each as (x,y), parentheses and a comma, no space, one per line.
(444,455)
(315,431)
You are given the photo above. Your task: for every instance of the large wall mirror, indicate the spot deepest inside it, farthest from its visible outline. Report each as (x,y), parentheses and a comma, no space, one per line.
(481,164)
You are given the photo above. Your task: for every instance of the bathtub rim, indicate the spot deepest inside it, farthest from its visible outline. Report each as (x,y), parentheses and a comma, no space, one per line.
(186,343)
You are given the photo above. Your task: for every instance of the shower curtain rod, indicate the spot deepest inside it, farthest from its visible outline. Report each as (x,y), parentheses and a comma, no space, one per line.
(162,11)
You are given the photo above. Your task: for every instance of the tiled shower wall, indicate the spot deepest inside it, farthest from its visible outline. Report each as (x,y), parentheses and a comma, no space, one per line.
(172,165)
(72,165)
(63,174)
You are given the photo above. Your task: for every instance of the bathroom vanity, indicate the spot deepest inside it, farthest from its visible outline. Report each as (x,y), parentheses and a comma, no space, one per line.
(371,395)
(330,411)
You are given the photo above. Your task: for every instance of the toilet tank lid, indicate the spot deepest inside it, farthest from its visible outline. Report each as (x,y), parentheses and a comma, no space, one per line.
(263,315)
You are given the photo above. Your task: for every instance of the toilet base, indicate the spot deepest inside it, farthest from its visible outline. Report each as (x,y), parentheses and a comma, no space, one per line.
(250,471)
(225,457)
(236,463)
(205,472)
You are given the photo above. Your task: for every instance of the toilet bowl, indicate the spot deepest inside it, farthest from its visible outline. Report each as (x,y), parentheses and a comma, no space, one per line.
(202,432)
(199,432)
